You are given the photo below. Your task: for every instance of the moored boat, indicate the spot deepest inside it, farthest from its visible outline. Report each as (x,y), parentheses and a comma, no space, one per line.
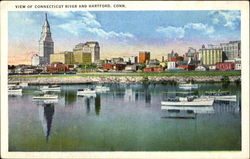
(86,92)
(188,101)
(220,96)
(101,89)
(188,86)
(46,96)
(15,91)
(51,88)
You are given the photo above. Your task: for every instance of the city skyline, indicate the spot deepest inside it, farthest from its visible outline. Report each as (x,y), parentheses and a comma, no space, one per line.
(122,33)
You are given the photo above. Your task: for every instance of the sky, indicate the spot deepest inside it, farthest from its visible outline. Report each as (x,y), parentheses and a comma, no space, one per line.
(121,33)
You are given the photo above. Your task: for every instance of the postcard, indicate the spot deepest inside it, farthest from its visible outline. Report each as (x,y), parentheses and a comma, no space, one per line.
(125,79)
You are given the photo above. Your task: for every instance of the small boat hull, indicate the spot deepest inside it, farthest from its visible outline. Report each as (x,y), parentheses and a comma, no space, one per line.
(232,98)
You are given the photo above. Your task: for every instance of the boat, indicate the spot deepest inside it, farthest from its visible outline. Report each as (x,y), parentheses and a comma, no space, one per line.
(188,86)
(86,92)
(188,101)
(46,101)
(220,96)
(23,84)
(101,89)
(15,91)
(51,88)
(46,96)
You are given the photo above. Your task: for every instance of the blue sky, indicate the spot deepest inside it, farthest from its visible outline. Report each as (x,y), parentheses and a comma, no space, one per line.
(124,32)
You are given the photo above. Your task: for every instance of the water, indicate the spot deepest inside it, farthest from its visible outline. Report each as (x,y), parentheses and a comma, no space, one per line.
(127,118)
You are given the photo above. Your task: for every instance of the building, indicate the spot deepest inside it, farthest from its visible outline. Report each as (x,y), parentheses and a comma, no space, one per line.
(201,68)
(225,66)
(58,67)
(232,49)
(171,65)
(81,58)
(92,48)
(176,58)
(153,69)
(35,59)
(172,54)
(117,67)
(117,60)
(192,55)
(130,59)
(211,56)
(46,44)
(153,63)
(144,57)
(64,57)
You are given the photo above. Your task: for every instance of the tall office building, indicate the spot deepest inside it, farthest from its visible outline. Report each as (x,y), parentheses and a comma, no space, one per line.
(144,57)
(92,48)
(46,44)
(65,57)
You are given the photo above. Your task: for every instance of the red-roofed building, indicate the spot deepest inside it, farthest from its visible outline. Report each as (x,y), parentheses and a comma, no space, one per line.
(225,66)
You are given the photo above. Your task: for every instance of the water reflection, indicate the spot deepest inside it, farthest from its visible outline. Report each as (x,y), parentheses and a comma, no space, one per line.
(92,103)
(46,112)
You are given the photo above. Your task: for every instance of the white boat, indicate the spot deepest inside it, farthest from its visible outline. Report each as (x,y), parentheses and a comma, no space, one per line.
(188,101)
(232,98)
(15,91)
(220,96)
(86,92)
(12,86)
(188,86)
(23,84)
(101,89)
(46,101)
(51,88)
(46,96)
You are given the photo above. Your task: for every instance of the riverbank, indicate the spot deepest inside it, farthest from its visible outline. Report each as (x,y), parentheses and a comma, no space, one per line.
(119,79)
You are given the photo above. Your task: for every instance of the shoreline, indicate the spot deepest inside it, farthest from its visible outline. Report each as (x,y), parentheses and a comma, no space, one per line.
(123,79)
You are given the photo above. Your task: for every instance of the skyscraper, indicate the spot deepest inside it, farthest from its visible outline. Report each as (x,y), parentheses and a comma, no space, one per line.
(46,44)
(144,57)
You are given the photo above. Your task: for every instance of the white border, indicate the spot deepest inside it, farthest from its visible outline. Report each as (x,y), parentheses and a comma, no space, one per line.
(243,6)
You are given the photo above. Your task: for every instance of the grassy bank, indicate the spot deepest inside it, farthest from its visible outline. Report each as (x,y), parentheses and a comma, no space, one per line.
(143,74)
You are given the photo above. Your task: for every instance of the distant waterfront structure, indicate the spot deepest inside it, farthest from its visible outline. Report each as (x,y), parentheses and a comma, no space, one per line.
(144,57)
(81,58)
(65,57)
(91,48)
(232,49)
(35,59)
(46,44)
(130,59)
(191,54)
(211,56)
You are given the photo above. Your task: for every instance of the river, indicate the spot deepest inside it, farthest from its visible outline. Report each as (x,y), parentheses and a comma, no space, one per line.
(126,118)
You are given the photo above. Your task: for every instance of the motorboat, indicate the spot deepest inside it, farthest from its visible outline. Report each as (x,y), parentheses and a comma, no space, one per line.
(101,89)
(188,86)
(12,85)
(220,96)
(86,92)
(46,101)
(188,101)
(51,88)
(46,96)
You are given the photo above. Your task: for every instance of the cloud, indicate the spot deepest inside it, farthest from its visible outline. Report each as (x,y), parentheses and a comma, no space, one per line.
(230,19)
(61,14)
(172,32)
(88,22)
(179,32)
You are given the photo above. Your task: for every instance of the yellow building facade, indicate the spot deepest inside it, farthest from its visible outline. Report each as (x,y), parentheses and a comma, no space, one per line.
(211,56)
(81,58)
(65,57)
